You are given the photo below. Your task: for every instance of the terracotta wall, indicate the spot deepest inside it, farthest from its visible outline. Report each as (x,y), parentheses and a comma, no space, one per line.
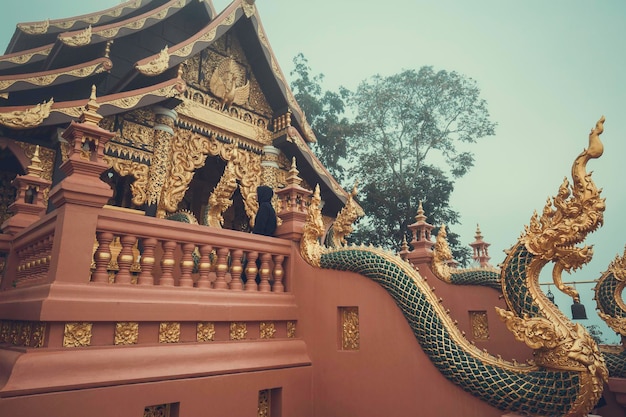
(389,374)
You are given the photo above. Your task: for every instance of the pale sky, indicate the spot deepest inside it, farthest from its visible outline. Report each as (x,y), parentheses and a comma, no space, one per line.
(548,71)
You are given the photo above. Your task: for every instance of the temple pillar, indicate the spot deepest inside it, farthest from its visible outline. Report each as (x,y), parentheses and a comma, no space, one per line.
(29,204)
(79,197)
(269,166)
(160,165)
(293,206)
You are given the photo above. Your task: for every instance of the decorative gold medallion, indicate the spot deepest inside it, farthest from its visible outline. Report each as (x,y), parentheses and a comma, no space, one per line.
(267,330)
(205,331)
(238,331)
(77,334)
(126,333)
(169,332)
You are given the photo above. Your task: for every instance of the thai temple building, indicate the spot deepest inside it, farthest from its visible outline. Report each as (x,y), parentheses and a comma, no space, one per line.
(132,143)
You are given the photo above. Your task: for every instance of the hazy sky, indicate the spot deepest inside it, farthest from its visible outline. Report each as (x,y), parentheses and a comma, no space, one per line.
(548,71)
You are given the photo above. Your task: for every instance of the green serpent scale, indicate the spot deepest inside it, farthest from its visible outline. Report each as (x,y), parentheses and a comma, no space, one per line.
(508,387)
(481,277)
(606,291)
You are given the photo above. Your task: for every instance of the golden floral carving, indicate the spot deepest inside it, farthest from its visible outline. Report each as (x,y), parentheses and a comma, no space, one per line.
(169,332)
(38,334)
(26,56)
(248,8)
(267,330)
(291,329)
(23,119)
(156,66)
(220,199)
(350,336)
(126,333)
(82,38)
(138,170)
(238,331)
(137,135)
(480,325)
(5,329)
(77,334)
(205,331)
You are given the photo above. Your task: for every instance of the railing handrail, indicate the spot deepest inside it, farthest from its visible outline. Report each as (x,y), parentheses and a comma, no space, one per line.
(119,222)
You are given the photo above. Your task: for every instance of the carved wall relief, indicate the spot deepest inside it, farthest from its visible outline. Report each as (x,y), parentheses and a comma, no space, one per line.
(480,325)
(349,326)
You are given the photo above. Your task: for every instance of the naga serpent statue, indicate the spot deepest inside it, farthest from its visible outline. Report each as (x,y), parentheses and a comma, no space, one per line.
(612,310)
(567,375)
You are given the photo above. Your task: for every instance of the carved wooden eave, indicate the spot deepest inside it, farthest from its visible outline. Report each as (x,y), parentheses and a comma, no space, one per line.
(291,143)
(64,112)
(26,33)
(18,82)
(125,27)
(25,57)
(189,47)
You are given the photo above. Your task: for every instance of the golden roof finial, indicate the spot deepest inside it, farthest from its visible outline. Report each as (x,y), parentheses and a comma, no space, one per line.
(421,217)
(107,49)
(293,178)
(478,235)
(405,246)
(35,168)
(90,114)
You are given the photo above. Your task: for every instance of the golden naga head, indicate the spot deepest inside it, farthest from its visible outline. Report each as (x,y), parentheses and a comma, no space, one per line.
(576,211)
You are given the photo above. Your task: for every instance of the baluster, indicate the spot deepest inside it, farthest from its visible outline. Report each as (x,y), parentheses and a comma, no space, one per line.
(167,264)
(147,261)
(264,286)
(204,267)
(222,268)
(251,271)
(186,265)
(125,260)
(235,271)
(103,256)
(47,254)
(278,274)
(38,253)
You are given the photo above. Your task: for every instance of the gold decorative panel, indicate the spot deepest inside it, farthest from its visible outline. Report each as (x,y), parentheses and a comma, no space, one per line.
(350,336)
(264,409)
(161,410)
(267,330)
(480,325)
(169,332)
(126,333)
(238,331)
(291,329)
(77,334)
(205,332)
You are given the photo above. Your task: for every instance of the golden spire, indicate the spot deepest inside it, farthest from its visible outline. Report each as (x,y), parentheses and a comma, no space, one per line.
(421,217)
(35,169)
(90,114)
(293,177)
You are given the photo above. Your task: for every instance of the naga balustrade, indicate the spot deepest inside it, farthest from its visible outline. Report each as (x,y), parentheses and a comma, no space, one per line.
(146,251)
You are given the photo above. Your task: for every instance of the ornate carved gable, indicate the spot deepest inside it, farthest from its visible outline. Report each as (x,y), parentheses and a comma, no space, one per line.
(223,69)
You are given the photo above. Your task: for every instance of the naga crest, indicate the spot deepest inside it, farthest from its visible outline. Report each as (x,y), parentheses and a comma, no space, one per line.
(566,220)
(310,246)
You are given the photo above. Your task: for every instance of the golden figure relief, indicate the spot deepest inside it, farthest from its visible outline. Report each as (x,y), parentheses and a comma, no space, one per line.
(157,66)
(23,119)
(480,325)
(229,83)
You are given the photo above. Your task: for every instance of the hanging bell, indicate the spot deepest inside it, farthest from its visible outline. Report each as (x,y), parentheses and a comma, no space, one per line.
(578,311)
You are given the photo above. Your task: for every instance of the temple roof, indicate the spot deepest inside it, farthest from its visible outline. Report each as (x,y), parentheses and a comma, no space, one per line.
(133,53)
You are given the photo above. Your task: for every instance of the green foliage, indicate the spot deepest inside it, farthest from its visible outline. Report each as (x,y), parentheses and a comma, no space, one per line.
(595,333)
(324,111)
(407,143)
